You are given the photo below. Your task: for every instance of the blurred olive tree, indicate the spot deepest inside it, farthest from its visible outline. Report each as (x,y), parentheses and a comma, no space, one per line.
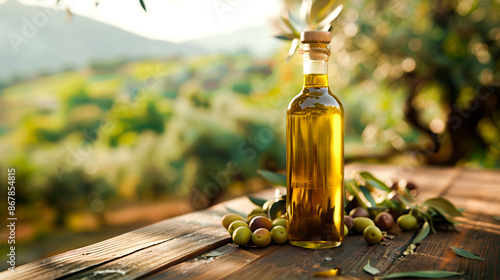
(444,54)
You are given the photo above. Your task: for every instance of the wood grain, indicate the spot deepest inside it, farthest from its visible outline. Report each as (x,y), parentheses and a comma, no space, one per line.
(160,256)
(230,262)
(123,245)
(102,252)
(478,232)
(290,262)
(174,248)
(297,263)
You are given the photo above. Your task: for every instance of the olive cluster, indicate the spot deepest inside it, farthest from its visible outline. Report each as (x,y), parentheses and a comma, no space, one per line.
(359,222)
(257,229)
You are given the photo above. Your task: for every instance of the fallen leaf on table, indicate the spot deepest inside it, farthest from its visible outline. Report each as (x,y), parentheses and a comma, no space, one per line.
(430,274)
(422,233)
(466,254)
(370,269)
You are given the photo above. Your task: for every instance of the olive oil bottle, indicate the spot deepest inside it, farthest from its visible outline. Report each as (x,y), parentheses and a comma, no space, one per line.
(315,153)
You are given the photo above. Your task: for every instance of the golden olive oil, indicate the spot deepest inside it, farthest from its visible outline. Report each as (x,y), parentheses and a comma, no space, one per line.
(315,159)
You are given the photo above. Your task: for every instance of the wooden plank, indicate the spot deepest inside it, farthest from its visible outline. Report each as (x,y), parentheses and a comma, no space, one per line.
(231,259)
(99,253)
(476,191)
(299,263)
(435,251)
(146,250)
(287,261)
(174,251)
(102,252)
(160,256)
(478,232)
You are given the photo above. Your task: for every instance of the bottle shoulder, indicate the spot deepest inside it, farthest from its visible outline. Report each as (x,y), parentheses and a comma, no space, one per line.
(315,99)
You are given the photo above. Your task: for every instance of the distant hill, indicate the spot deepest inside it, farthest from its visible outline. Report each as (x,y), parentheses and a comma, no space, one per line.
(61,44)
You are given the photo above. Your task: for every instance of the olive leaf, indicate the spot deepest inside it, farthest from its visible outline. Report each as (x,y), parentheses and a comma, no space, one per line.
(293,49)
(406,198)
(257,201)
(305,11)
(368,196)
(143,5)
(439,217)
(351,187)
(408,194)
(392,204)
(231,210)
(422,274)
(285,18)
(442,206)
(277,209)
(466,254)
(428,219)
(422,233)
(374,182)
(287,37)
(275,178)
(333,15)
(370,269)
(320,9)
(314,15)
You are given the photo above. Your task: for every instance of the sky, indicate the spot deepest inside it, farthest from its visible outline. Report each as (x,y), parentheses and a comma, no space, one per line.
(174,20)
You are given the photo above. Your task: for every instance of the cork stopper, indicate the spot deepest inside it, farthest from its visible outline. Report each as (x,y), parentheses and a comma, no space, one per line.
(314,52)
(323,37)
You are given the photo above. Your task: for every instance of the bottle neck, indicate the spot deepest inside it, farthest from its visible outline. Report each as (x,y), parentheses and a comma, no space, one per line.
(315,73)
(315,64)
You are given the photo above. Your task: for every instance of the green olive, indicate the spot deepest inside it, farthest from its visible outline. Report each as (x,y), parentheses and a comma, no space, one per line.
(346,230)
(279,222)
(242,236)
(261,237)
(229,218)
(234,225)
(279,234)
(257,211)
(360,223)
(407,222)
(372,234)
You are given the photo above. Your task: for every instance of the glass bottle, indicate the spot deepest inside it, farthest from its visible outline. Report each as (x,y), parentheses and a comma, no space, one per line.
(315,153)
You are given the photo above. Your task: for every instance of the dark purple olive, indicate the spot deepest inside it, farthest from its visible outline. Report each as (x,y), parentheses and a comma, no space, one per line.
(384,221)
(359,212)
(411,186)
(349,222)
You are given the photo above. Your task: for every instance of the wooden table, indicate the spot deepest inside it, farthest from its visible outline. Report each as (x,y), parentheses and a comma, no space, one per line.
(177,248)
